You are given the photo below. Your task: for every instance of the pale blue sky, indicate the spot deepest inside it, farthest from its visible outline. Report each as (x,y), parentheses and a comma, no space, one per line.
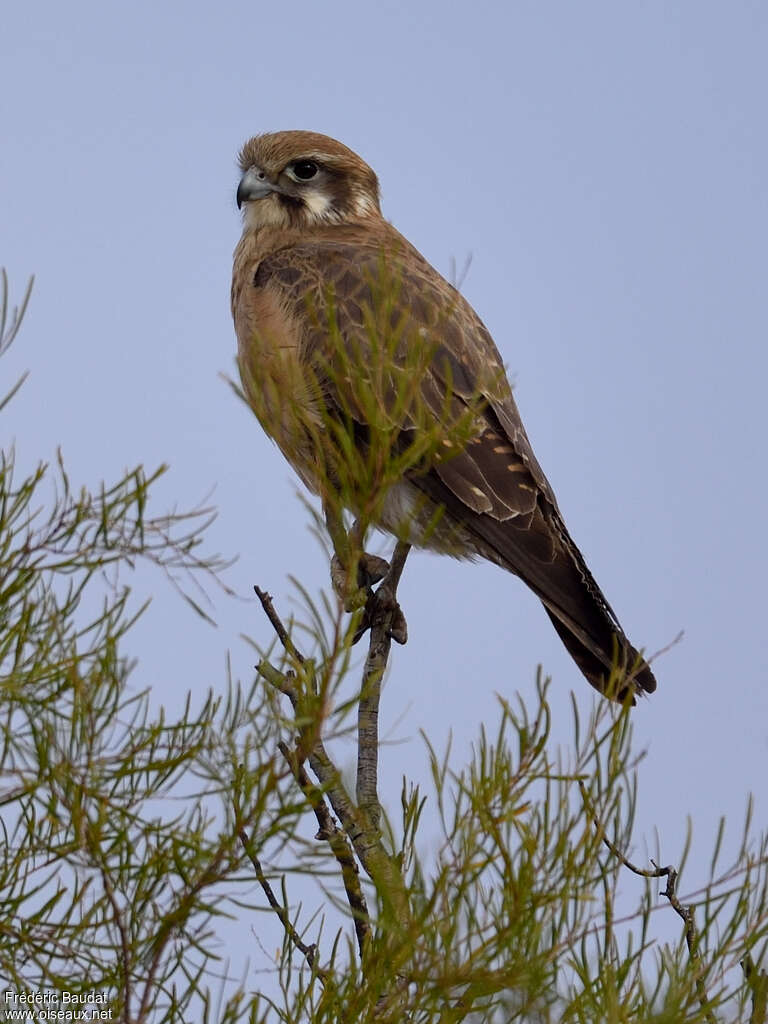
(606,167)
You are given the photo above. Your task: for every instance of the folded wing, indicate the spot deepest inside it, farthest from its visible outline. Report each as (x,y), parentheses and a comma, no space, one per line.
(494,487)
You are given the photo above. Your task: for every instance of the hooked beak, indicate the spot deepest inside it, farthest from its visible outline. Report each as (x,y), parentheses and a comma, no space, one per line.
(254,184)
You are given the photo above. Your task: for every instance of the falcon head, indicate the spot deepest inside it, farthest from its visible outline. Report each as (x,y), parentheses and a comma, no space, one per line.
(303,179)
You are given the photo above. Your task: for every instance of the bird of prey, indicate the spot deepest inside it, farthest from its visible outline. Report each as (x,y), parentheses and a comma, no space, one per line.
(306,278)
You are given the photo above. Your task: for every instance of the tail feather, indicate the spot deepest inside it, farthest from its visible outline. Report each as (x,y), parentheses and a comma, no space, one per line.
(627,674)
(537,548)
(581,615)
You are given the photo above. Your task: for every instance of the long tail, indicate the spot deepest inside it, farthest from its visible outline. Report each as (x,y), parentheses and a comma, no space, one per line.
(584,620)
(628,669)
(537,547)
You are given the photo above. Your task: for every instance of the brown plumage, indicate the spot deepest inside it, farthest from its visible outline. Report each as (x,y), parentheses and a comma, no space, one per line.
(314,250)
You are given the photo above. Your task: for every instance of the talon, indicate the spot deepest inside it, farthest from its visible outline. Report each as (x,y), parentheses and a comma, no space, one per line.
(371,569)
(365,625)
(398,631)
(383,601)
(352,598)
(386,601)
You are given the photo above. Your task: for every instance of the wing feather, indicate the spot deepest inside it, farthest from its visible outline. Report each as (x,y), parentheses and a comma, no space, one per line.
(494,487)
(465,362)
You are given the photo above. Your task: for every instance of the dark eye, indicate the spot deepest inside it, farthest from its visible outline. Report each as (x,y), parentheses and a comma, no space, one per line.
(305,169)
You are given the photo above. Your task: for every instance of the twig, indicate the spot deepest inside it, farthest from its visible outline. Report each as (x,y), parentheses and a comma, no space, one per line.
(277,625)
(383,610)
(339,845)
(282,681)
(125,944)
(309,952)
(667,647)
(685,913)
(367,844)
(397,564)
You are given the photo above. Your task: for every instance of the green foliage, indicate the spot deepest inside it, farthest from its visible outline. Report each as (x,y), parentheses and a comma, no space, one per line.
(514,916)
(107,884)
(501,891)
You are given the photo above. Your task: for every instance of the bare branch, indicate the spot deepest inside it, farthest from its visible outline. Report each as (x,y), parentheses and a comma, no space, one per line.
(308,952)
(362,833)
(339,845)
(282,633)
(384,615)
(686,913)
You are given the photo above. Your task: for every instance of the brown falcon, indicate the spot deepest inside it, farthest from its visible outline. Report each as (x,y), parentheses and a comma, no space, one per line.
(307,281)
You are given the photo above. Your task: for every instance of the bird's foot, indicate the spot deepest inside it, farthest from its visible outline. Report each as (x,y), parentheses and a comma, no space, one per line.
(354,589)
(370,570)
(382,605)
